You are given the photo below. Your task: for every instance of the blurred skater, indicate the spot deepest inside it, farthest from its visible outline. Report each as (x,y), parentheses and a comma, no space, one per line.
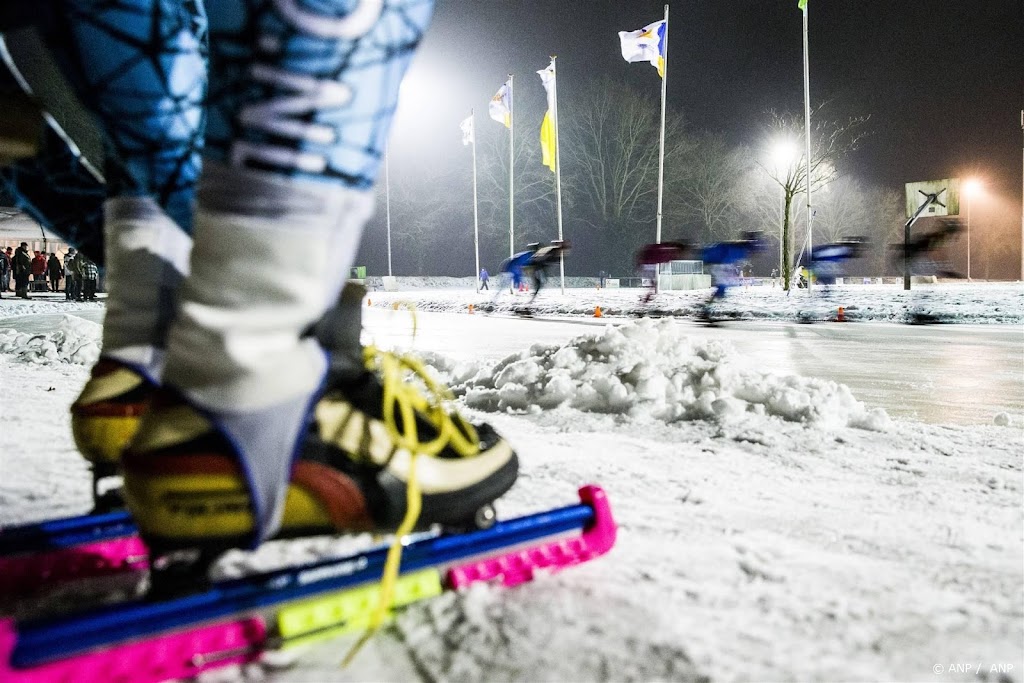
(724,259)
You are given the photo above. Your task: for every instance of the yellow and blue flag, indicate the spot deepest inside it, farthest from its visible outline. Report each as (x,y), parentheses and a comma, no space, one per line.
(547,126)
(500,108)
(646,45)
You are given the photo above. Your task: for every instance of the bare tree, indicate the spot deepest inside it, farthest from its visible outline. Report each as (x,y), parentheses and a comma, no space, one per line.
(707,185)
(760,206)
(610,148)
(831,141)
(534,188)
(430,223)
(842,210)
(885,226)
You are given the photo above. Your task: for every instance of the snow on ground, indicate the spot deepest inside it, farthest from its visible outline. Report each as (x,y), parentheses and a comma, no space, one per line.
(955,303)
(772,526)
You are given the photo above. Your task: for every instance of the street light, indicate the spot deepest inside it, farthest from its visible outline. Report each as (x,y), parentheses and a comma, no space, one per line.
(972,187)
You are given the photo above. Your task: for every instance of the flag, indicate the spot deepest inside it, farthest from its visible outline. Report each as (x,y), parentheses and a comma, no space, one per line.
(500,108)
(647,45)
(467,131)
(802,4)
(547,127)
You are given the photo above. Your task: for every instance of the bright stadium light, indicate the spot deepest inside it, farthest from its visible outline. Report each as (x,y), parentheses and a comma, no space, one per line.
(784,154)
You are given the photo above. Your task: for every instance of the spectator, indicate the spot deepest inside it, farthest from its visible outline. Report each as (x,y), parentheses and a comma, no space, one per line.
(39,272)
(54,270)
(5,271)
(90,276)
(72,284)
(484,277)
(22,268)
(601,277)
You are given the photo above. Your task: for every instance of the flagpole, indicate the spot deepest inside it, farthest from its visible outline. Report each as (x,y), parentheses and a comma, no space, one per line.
(511,166)
(476,220)
(661,153)
(387,199)
(807,131)
(558,173)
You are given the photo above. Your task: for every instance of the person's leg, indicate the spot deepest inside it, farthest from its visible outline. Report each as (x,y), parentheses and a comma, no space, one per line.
(302,95)
(140,67)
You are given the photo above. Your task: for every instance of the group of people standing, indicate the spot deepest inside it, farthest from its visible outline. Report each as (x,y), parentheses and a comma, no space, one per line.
(44,272)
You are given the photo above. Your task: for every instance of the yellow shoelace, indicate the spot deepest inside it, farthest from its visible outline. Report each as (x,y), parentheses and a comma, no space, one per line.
(402,398)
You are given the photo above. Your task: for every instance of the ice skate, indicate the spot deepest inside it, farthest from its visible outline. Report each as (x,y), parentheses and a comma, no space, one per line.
(377,413)
(187,487)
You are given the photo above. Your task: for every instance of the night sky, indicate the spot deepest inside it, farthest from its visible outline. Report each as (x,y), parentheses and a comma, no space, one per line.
(943,80)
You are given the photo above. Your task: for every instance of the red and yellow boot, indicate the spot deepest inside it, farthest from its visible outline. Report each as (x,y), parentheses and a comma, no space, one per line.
(105,417)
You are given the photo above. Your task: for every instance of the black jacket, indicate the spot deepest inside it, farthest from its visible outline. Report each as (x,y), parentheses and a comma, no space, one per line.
(22,262)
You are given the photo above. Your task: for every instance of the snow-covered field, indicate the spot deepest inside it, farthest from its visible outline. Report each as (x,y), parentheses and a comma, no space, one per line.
(954,303)
(772,526)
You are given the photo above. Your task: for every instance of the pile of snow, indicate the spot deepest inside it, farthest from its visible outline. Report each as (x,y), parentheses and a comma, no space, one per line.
(75,340)
(651,369)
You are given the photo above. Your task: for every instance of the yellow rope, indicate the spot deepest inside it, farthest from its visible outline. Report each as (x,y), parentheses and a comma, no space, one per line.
(402,394)
(386,595)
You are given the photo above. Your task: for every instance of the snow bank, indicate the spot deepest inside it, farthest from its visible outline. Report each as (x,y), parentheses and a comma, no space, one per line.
(76,340)
(650,369)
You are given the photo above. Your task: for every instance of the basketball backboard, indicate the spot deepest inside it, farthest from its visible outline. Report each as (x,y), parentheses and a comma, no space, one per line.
(947,200)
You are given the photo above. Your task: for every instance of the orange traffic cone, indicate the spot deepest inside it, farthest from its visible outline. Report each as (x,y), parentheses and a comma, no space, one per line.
(597,312)
(841,315)
(471,309)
